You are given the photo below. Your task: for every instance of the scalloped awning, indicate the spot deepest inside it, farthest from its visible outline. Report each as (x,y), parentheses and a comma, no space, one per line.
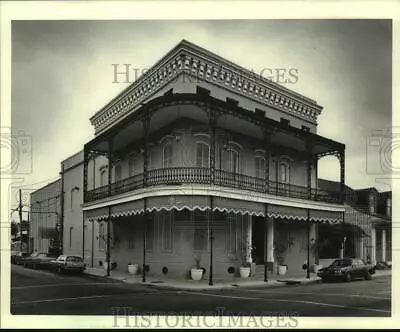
(202,203)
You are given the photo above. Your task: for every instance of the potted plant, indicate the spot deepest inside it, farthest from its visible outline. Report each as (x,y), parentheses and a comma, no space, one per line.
(132,268)
(245,251)
(196,272)
(279,251)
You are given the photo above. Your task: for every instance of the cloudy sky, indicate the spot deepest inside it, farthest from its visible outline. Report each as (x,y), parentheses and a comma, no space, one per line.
(62,73)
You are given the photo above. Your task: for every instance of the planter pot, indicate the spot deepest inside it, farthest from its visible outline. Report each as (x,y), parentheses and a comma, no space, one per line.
(132,268)
(105,266)
(282,269)
(196,274)
(316,267)
(244,272)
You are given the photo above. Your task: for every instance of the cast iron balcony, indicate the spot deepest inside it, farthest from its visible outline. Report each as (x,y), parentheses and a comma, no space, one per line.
(199,175)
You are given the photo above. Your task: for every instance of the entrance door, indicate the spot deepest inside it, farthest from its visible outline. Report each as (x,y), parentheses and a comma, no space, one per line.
(258,237)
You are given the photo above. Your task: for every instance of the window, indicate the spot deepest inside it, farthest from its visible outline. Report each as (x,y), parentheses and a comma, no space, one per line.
(285,173)
(231,161)
(167,156)
(102,236)
(70,237)
(231,234)
(200,230)
(132,165)
(167,229)
(260,167)
(149,233)
(203,155)
(305,128)
(117,172)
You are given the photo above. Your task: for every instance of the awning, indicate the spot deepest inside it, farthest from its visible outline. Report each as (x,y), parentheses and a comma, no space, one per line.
(202,203)
(326,216)
(96,214)
(178,202)
(287,212)
(238,206)
(127,209)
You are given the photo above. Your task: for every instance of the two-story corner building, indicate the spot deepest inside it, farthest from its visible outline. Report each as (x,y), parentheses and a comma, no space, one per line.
(367,225)
(45,216)
(196,159)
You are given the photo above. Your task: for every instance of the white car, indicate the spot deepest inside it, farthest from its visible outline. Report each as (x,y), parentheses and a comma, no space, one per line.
(66,263)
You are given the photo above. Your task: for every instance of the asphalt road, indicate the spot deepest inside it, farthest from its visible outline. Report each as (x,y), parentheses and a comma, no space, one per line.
(45,293)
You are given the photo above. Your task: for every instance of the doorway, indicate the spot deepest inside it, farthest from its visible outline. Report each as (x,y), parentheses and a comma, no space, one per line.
(258,240)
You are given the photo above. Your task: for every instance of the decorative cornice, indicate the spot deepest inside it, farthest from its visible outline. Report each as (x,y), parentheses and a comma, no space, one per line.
(208,67)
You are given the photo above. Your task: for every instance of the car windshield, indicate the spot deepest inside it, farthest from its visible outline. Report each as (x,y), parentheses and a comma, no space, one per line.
(341,263)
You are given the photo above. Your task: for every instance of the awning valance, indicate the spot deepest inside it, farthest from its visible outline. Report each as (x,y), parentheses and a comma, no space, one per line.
(238,206)
(178,202)
(326,216)
(96,214)
(202,203)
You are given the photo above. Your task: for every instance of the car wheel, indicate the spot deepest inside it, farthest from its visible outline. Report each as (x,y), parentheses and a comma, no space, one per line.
(348,277)
(368,276)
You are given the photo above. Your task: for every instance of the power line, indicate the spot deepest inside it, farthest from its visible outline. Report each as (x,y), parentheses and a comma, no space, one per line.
(32,184)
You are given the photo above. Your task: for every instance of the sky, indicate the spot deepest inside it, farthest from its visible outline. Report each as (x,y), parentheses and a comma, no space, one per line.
(63,73)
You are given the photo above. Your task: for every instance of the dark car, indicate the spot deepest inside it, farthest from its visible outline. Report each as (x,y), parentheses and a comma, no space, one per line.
(347,269)
(18,257)
(38,260)
(68,263)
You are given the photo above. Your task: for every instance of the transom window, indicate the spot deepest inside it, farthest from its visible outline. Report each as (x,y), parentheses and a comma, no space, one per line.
(203,155)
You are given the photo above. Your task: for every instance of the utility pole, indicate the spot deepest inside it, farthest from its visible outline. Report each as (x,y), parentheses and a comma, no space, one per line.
(20,206)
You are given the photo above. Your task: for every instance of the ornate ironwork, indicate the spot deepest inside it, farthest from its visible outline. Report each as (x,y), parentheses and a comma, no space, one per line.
(199,175)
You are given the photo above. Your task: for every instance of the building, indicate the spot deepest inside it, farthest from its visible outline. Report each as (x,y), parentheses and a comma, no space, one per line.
(367,224)
(45,216)
(195,161)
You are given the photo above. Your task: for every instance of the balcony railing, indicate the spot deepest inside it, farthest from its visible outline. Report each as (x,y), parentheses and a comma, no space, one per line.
(199,175)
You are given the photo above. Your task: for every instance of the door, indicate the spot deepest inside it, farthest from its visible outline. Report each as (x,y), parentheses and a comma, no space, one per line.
(258,240)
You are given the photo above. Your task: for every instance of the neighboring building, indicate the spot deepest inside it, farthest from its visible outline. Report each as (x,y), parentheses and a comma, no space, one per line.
(45,215)
(191,161)
(367,224)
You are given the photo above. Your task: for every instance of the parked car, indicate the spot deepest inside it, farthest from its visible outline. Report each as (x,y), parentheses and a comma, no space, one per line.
(38,260)
(383,266)
(17,257)
(68,263)
(347,269)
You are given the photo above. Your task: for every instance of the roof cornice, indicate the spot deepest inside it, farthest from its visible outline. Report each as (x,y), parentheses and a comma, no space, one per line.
(208,67)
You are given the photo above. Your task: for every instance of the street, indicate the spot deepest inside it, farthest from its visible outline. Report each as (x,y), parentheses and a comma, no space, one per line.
(40,292)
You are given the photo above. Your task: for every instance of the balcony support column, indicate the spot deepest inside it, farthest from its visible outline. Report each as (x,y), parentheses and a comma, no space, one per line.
(110,158)
(267,136)
(266,242)
(85,172)
(212,115)
(146,128)
(341,157)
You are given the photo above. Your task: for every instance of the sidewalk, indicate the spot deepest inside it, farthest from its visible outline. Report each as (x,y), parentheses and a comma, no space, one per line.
(186,284)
